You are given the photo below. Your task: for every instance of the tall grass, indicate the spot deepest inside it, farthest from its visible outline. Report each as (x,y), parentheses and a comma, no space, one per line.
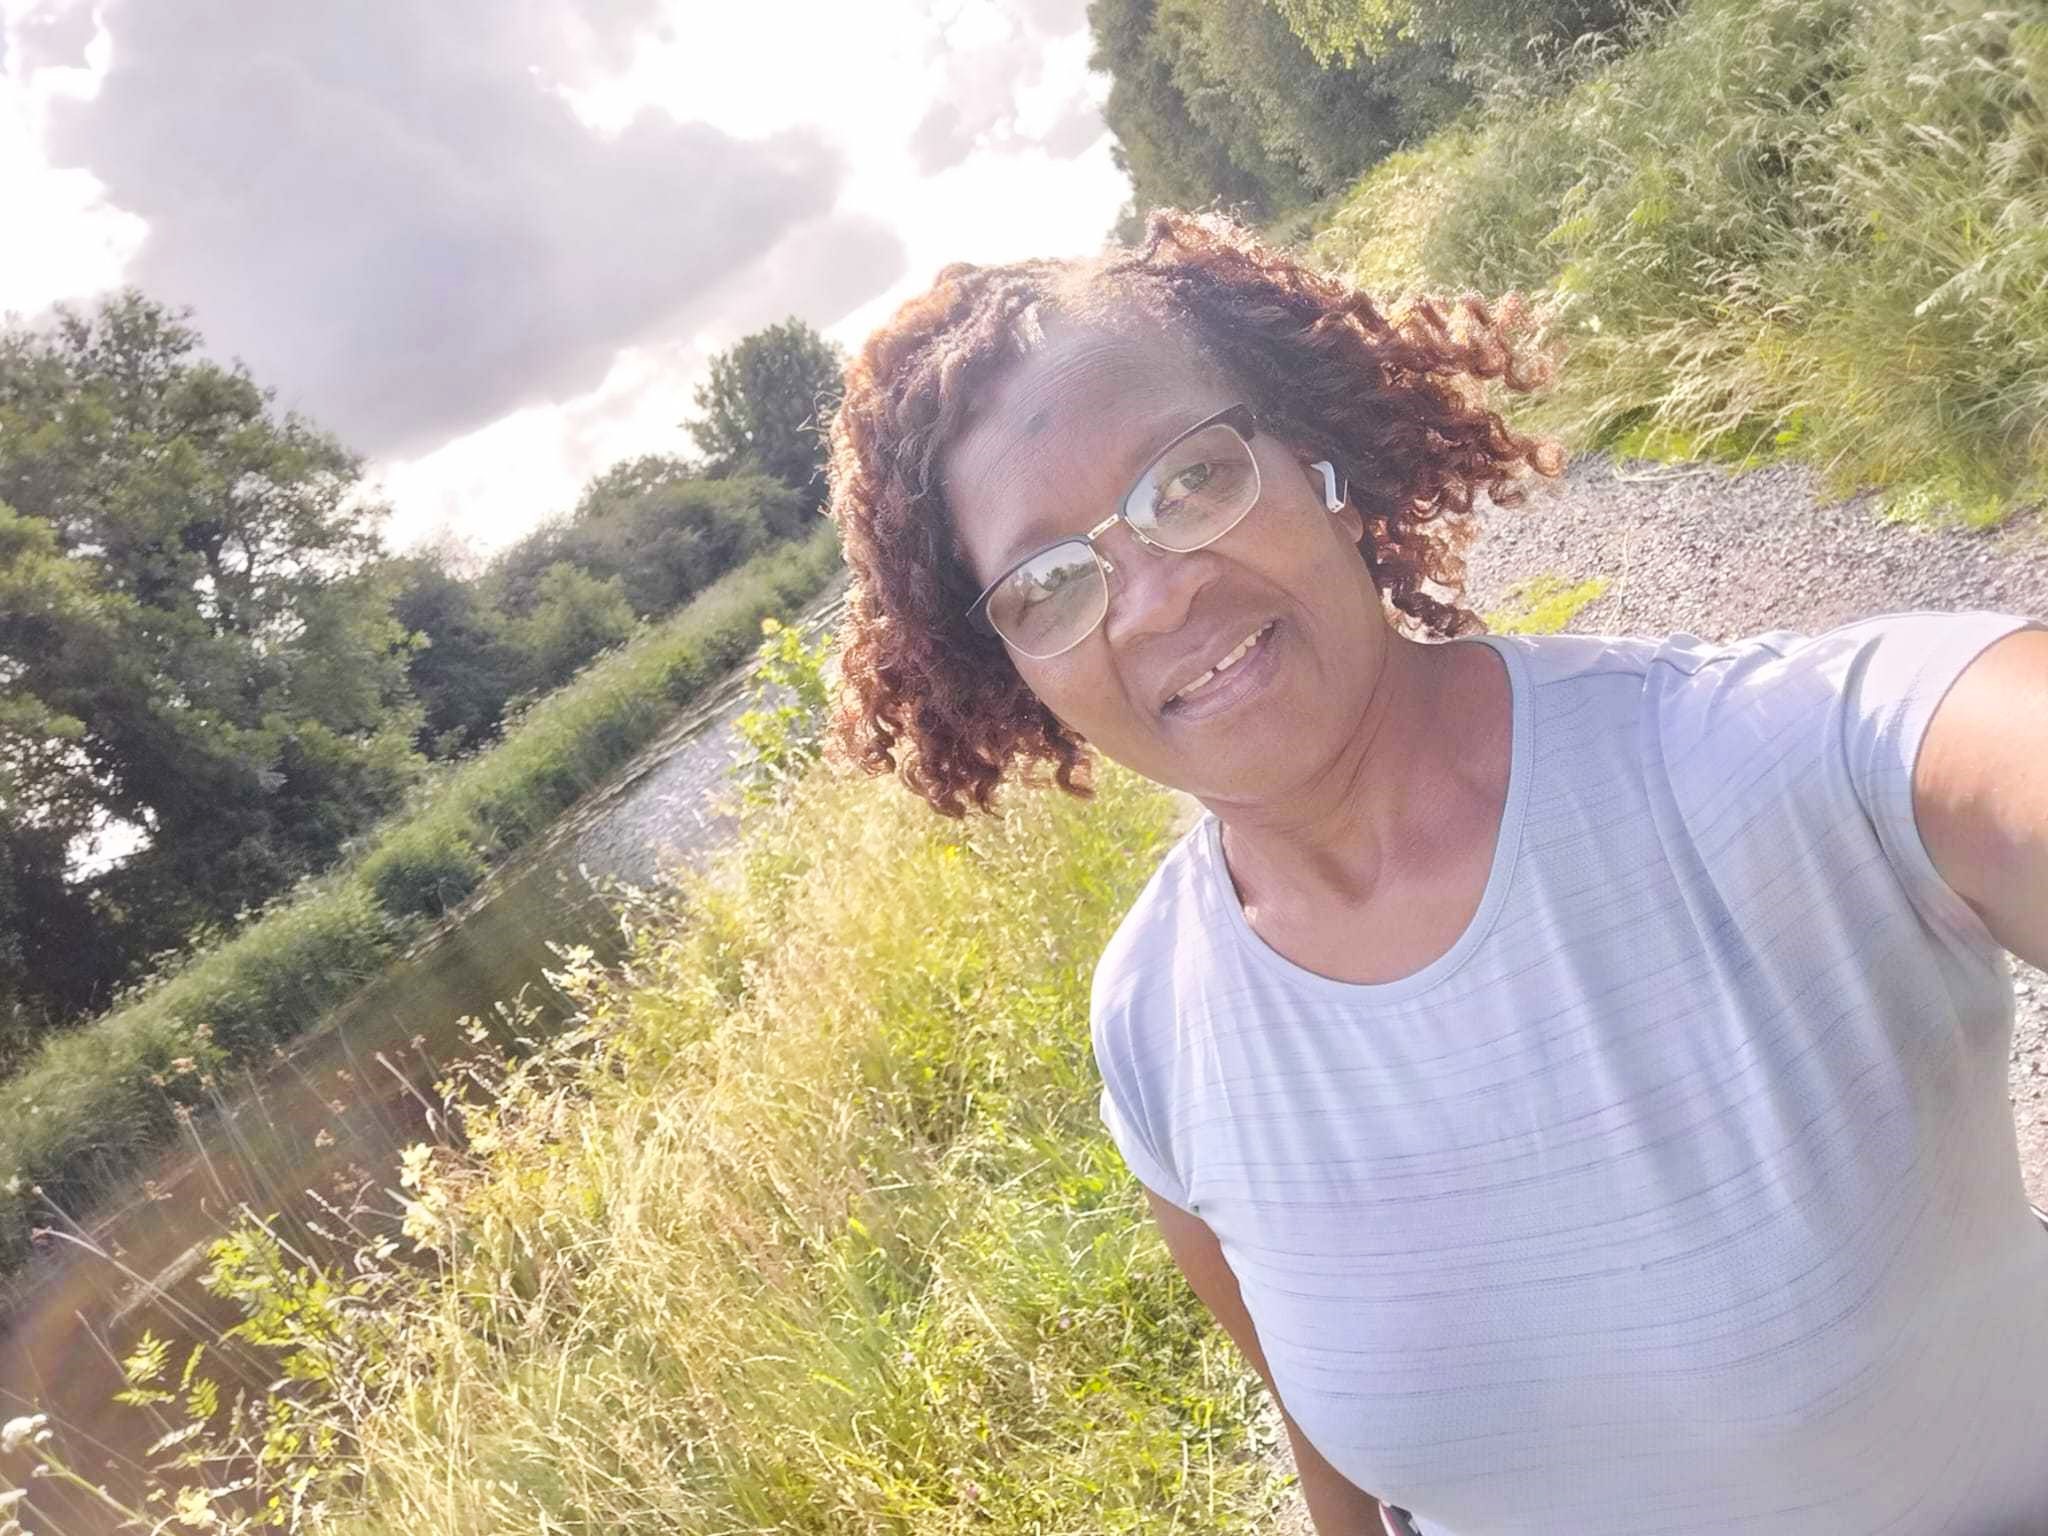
(807,1225)
(80,1112)
(1805,227)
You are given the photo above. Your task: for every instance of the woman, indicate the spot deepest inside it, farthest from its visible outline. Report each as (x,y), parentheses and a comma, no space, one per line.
(1572,1069)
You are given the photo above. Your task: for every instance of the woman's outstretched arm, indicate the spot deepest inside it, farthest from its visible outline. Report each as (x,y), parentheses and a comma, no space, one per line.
(1980,791)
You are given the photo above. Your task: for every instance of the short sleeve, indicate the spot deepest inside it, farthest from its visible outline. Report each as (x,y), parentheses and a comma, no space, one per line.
(1137,1151)
(1897,670)
(1129,1101)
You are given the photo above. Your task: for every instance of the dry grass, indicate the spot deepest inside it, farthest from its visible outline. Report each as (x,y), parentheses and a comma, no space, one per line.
(808,1225)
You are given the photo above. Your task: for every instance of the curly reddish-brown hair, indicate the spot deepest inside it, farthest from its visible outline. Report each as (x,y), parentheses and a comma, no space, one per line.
(1397,401)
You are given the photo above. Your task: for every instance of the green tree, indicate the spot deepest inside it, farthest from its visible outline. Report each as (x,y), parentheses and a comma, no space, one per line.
(1219,101)
(1172,157)
(766,407)
(614,492)
(217,667)
(460,665)
(48,798)
(679,539)
(1316,124)
(661,540)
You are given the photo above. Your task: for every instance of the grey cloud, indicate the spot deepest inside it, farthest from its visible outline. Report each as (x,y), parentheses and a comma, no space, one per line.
(978,102)
(1078,128)
(389,216)
(941,140)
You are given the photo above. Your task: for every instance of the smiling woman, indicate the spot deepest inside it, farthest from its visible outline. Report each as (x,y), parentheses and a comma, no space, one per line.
(1572,1068)
(934,693)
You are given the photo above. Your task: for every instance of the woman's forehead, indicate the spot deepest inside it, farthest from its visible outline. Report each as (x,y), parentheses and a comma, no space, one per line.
(1064,430)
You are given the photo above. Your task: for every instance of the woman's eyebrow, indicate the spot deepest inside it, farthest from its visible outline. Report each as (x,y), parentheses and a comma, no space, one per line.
(1148,437)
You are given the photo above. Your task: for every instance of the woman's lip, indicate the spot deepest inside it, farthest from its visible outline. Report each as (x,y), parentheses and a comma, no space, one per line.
(1242,679)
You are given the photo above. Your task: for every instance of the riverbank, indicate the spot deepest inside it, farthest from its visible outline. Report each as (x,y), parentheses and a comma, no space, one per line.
(95,1099)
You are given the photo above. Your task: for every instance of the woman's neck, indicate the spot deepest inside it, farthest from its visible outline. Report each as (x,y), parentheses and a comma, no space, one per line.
(1422,780)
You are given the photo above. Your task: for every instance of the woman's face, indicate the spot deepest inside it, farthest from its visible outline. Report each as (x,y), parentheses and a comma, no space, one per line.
(1055,446)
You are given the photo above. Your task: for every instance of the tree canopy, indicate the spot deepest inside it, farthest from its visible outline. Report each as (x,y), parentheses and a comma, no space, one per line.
(1220,101)
(767,405)
(208,661)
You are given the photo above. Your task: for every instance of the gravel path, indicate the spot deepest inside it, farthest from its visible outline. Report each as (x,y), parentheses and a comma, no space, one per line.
(1723,557)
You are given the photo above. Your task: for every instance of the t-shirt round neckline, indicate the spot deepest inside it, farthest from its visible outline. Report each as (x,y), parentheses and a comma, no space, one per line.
(1506,849)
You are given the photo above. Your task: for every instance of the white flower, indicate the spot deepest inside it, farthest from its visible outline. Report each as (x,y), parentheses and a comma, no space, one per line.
(14,1184)
(16,1431)
(10,1498)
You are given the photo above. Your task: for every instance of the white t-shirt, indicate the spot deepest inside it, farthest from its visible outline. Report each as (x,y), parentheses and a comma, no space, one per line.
(1681,1195)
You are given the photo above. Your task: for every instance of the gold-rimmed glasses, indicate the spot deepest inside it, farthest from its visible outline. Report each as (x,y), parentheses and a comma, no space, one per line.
(1192,492)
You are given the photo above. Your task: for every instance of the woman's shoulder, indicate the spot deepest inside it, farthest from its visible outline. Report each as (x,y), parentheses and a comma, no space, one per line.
(1150,936)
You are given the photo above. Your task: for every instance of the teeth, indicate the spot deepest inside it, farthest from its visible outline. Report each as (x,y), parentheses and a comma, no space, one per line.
(1243,648)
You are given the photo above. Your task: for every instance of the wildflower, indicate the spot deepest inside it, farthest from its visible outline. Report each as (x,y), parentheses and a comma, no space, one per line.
(14,1184)
(15,1431)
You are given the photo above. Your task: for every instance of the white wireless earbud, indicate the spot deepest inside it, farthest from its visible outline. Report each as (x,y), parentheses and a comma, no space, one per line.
(1333,484)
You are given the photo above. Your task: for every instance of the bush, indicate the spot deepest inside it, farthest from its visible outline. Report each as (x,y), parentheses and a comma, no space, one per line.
(424,869)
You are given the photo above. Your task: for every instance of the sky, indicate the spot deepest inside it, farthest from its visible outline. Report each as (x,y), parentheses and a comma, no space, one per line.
(491,244)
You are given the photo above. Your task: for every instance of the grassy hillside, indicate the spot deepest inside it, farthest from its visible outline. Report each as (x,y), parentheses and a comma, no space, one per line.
(1815,228)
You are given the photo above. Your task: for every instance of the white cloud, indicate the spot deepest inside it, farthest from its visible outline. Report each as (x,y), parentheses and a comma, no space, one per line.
(65,239)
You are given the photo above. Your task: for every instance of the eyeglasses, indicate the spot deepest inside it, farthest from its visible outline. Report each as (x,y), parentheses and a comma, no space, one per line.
(1195,490)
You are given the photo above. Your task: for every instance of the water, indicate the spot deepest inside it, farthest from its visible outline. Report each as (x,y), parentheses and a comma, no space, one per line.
(319,1132)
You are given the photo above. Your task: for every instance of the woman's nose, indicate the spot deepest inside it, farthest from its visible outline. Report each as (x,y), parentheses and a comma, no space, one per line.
(1149,588)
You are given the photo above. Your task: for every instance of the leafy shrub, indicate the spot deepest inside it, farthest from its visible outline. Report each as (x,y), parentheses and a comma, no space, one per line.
(424,869)
(785,728)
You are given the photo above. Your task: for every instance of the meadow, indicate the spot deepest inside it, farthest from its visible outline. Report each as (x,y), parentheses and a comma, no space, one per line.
(806,1223)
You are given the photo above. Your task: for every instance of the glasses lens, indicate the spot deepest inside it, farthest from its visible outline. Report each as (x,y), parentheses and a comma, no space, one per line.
(1198,490)
(1050,601)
